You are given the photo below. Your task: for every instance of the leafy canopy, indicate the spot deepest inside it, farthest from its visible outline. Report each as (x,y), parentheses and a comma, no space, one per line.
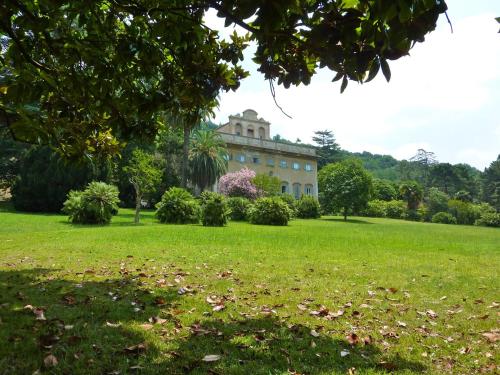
(86,75)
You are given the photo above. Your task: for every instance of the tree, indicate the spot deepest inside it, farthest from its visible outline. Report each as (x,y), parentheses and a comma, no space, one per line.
(144,175)
(267,186)
(384,190)
(437,201)
(328,149)
(424,160)
(208,158)
(345,186)
(239,184)
(86,75)
(412,193)
(491,184)
(11,155)
(443,176)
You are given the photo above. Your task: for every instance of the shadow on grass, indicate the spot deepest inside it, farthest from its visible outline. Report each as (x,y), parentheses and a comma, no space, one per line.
(89,326)
(341,220)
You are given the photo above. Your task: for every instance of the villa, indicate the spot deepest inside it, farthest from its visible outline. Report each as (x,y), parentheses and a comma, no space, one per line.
(250,145)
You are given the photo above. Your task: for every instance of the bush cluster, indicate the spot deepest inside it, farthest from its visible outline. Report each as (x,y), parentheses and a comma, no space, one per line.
(489,219)
(444,218)
(269,211)
(214,210)
(95,205)
(308,207)
(178,206)
(396,209)
(239,208)
(291,202)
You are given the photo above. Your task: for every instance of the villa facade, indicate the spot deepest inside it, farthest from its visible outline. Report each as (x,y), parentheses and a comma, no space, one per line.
(250,145)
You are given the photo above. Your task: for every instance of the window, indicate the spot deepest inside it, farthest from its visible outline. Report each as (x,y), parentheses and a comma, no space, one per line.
(256,160)
(283,164)
(308,189)
(284,187)
(238,129)
(240,158)
(262,133)
(270,162)
(295,166)
(308,167)
(296,190)
(271,174)
(250,133)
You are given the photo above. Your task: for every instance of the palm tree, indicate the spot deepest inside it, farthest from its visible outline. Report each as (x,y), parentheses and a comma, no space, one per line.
(208,158)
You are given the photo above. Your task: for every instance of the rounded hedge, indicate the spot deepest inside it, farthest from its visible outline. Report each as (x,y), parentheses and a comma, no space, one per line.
(308,207)
(291,202)
(239,208)
(375,208)
(178,206)
(95,205)
(269,211)
(396,209)
(214,210)
(444,218)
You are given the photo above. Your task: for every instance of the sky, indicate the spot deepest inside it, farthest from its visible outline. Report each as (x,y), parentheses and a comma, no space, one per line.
(444,97)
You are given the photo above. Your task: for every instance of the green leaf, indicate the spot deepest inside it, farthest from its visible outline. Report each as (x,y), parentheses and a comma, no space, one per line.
(344,84)
(338,76)
(385,69)
(374,68)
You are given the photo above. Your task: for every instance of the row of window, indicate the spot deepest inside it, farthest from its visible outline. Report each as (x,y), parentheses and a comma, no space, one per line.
(270,162)
(297,189)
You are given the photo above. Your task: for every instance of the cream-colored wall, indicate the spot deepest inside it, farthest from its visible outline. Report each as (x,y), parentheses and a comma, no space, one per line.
(288,174)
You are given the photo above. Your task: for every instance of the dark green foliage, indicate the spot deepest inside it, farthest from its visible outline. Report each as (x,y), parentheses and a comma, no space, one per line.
(178,206)
(269,211)
(239,208)
(95,205)
(491,219)
(383,190)
(45,180)
(396,209)
(412,193)
(345,186)
(437,201)
(491,184)
(465,213)
(444,218)
(214,210)
(308,207)
(328,150)
(375,208)
(11,154)
(151,58)
(463,196)
(413,215)
(291,202)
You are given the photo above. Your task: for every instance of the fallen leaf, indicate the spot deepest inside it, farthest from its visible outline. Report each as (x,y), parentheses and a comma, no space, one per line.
(344,353)
(401,324)
(314,333)
(157,320)
(136,349)
(219,307)
(352,338)
(114,325)
(492,336)
(431,314)
(50,361)
(211,358)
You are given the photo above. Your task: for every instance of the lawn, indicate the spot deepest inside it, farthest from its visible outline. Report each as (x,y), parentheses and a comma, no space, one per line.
(317,297)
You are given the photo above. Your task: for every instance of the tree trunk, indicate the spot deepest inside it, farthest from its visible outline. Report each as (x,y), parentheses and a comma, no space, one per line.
(138,199)
(345,214)
(185,156)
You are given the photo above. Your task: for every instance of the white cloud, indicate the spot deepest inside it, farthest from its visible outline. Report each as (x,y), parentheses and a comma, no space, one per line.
(447,79)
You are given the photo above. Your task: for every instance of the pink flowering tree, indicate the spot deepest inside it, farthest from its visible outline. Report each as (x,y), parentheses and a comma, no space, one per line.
(239,184)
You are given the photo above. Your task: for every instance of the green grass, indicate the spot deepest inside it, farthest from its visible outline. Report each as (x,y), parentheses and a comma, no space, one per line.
(86,277)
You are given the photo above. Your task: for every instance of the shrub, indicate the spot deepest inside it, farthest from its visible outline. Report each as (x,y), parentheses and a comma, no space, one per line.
(291,202)
(444,218)
(308,207)
(177,206)
(239,184)
(214,210)
(424,212)
(465,213)
(95,205)
(375,208)
(437,201)
(269,211)
(239,208)
(490,219)
(413,215)
(383,190)
(396,209)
